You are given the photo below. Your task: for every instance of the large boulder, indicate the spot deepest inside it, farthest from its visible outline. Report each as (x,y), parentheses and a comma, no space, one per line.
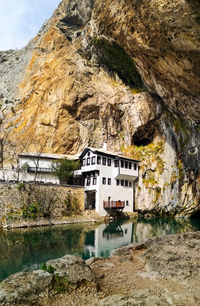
(26,287)
(72,268)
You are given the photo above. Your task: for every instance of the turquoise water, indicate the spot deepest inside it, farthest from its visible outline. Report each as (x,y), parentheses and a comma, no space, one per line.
(29,248)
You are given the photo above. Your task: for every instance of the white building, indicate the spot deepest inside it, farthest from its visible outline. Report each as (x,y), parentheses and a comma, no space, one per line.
(42,164)
(109,180)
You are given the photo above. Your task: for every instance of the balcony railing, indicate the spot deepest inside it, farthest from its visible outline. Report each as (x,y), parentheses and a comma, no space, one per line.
(113,204)
(40,170)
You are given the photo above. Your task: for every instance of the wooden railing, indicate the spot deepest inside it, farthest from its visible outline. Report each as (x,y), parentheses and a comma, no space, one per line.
(113,204)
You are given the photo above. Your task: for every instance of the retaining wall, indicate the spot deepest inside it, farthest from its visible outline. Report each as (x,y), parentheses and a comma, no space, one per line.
(23,201)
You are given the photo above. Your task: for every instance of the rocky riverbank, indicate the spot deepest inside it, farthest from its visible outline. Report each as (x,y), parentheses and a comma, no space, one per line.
(160,271)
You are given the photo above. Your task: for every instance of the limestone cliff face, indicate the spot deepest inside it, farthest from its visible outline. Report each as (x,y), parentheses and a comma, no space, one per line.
(75,84)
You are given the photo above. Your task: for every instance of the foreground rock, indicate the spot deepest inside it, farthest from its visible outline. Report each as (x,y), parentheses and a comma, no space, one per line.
(32,287)
(164,270)
(25,287)
(73,268)
(161,271)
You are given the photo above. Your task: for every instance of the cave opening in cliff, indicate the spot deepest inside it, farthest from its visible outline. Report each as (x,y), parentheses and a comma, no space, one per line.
(196,214)
(143,136)
(114,58)
(142,142)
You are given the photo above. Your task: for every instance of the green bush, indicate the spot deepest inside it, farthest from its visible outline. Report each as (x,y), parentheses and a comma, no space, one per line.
(47,268)
(61,284)
(31,212)
(21,186)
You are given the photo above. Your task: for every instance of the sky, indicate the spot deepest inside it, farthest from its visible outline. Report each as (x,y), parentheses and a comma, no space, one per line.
(20,20)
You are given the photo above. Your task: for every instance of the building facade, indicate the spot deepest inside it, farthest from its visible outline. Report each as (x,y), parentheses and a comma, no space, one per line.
(40,167)
(109,178)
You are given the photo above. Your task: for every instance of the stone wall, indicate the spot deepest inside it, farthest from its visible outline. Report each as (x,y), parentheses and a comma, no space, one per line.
(24,202)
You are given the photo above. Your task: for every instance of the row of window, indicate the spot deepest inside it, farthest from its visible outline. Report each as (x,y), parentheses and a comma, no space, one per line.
(92,161)
(124,183)
(93,181)
(107,161)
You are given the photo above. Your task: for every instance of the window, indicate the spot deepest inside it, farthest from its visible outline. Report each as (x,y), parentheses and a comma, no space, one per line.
(84,162)
(109,181)
(103,180)
(135,166)
(122,182)
(88,161)
(126,164)
(109,162)
(130,184)
(130,165)
(99,160)
(116,163)
(126,231)
(94,181)
(127,204)
(117,182)
(104,161)
(93,160)
(88,153)
(88,182)
(126,183)
(122,163)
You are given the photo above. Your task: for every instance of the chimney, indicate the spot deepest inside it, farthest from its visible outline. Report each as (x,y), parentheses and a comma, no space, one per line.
(105,146)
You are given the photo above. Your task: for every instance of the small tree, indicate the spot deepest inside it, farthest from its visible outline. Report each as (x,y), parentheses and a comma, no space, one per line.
(65,168)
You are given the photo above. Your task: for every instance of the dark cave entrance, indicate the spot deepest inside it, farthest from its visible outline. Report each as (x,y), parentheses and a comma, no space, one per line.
(143,136)
(196,215)
(142,142)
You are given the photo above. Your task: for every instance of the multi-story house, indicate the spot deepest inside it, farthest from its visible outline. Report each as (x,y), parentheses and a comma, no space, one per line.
(109,180)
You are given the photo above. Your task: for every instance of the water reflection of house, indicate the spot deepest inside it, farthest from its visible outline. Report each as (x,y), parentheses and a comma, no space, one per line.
(105,238)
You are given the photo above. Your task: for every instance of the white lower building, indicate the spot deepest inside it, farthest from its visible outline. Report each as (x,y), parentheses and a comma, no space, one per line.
(109,180)
(40,167)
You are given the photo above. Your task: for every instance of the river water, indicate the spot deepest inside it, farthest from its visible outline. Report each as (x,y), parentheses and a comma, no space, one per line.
(29,248)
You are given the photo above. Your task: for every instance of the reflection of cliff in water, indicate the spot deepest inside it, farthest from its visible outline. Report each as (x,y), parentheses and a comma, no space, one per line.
(161,226)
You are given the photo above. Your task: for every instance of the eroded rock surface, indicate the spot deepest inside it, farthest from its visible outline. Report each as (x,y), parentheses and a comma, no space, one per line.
(26,287)
(75,84)
(73,268)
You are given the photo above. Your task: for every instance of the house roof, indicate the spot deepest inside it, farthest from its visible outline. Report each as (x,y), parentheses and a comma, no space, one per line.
(106,153)
(49,156)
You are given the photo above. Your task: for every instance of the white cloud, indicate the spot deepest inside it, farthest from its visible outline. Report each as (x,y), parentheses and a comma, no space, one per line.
(20,20)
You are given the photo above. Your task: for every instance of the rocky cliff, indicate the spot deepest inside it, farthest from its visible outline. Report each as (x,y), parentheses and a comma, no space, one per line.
(122,71)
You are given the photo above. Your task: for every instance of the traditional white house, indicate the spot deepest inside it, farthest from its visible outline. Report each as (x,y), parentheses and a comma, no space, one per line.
(42,164)
(109,180)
